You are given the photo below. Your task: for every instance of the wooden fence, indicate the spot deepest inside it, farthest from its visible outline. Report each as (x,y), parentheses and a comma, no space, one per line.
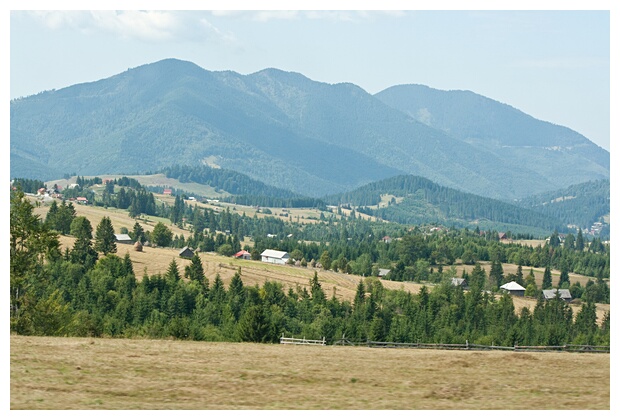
(575,348)
(302,341)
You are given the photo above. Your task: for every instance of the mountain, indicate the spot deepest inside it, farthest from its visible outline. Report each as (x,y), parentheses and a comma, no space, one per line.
(416,200)
(561,156)
(580,205)
(278,127)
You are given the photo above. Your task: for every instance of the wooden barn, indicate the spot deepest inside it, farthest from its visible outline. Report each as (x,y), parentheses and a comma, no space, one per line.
(186,252)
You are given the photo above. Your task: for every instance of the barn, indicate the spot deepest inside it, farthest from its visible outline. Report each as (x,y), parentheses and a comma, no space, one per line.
(274,257)
(243,254)
(551,293)
(186,252)
(123,238)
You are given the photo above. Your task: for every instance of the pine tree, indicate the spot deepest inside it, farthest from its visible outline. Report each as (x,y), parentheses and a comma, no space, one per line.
(318,295)
(546,283)
(105,241)
(579,244)
(520,275)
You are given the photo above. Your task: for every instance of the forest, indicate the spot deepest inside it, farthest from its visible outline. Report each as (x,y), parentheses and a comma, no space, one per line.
(90,291)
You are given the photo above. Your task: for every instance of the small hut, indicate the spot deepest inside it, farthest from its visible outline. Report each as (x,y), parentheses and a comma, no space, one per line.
(186,252)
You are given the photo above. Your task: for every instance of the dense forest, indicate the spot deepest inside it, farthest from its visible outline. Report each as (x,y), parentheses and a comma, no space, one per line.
(581,205)
(425,201)
(90,291)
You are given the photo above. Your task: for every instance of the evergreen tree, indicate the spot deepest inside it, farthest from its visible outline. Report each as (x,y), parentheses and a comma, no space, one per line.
(579,243)
(83,252)
(194,271)
(564,280)
(318,295)
(546,282)
(520,275)
(105,241)
(138,233)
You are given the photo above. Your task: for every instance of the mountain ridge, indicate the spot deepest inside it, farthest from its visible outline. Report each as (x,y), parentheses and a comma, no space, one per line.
(279,127)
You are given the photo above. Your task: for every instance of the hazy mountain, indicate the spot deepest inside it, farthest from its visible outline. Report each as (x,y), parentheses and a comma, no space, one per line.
(280,128)
(558,154)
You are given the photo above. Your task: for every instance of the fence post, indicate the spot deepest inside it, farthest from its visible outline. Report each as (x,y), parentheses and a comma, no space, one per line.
(467,344)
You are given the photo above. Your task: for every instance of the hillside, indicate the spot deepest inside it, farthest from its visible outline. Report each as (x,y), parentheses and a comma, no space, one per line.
(280,128)
(505,132)
(417,200)
(580,205)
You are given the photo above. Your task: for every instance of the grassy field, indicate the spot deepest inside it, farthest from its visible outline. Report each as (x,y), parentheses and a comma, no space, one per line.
(83,373)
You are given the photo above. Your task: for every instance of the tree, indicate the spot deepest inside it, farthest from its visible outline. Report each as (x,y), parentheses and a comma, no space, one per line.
(579,243)
(161,235)
(325,260)
(564,280)
(318,295)
(83,252)
(546,283)
(138,232)
(253,325)
(194,271)
(105,241)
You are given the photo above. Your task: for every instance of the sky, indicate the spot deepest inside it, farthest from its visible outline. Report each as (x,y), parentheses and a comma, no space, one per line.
(553,64)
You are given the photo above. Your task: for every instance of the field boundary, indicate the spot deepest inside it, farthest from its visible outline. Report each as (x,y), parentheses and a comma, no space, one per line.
(572,348)
(301,341)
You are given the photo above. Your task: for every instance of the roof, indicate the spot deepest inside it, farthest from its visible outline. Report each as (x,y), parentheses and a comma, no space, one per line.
(513,285)
(241,253)
(550,294)
(122,237)
(271,253)
(457,281)
(383,272)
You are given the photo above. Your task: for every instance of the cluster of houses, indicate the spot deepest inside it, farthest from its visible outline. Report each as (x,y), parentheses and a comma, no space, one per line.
(515,289)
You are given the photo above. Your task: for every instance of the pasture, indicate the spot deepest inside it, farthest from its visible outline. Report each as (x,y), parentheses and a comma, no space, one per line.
(49,373)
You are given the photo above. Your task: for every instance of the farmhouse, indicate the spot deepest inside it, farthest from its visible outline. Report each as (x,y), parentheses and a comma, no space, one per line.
(186,252)
(243,254)
(81,200)
(167,191)
(458,281)
(275,257)
(383,272)
(513,288)
(123,238)
(564,294)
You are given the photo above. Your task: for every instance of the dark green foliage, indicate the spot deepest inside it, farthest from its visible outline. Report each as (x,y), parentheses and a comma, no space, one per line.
(105,241)
(161,235)
(425,201)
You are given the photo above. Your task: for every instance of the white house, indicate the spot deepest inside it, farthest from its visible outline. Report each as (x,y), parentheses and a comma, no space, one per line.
(275,257)
(513,288)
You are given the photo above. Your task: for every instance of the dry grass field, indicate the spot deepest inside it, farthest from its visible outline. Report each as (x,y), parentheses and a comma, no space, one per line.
(84,373)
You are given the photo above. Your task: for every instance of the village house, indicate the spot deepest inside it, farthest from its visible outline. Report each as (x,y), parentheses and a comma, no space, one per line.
(123,238)
(186,252)
(243,254)
(274,256)
(81,200)
(460,282)
(383,272)
(513,288)
(551,293)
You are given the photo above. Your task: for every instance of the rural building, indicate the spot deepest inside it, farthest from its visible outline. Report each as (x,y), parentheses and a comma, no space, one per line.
(186,253)
(458,281)
(81,200)
(383,272)
(513,288)
(564,294)
(123,238)
(167,191)
(386,239)
(275,257)
(243,254)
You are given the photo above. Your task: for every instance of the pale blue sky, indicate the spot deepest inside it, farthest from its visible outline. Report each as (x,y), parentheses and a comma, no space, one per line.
(553,65)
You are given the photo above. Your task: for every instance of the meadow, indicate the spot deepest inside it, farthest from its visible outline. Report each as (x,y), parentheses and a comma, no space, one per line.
(51,373)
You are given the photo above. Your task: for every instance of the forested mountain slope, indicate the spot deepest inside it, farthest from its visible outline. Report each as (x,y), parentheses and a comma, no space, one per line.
(278,127)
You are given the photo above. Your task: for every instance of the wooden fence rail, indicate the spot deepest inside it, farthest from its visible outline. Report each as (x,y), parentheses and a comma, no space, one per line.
(579,348)
(301,341)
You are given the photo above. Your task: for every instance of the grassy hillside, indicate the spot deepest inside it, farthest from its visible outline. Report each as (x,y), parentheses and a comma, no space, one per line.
(84,373)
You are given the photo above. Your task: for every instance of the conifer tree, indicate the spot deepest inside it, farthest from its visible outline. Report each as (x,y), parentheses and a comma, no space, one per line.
(546,283)
(105,241)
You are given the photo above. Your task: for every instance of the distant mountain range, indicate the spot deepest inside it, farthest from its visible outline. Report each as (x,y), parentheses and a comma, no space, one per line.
(294,133)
